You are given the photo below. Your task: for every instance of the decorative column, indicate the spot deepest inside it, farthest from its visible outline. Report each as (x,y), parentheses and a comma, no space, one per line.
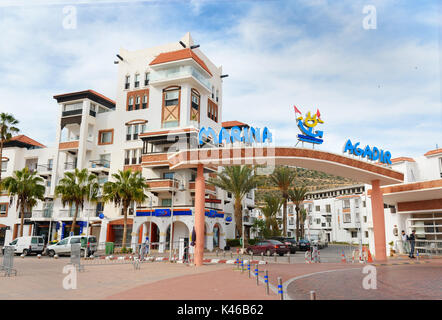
(200,190)
(377,208)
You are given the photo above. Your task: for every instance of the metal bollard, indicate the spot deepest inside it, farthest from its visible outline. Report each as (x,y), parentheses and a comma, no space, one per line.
(312,295)
(280,288)
(242,266)
(251,258)
(266,280)
(262,256)
(256,274)
(231,254)
(276,255)
(289,257)
(248,268)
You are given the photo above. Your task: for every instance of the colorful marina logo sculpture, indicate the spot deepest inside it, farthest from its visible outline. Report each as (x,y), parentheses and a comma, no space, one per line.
(307,125)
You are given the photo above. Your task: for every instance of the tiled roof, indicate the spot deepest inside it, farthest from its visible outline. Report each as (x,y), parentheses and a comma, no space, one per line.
(84,92)
(25,139)
(230,124)
(400,159)
(433,152)
(179,55)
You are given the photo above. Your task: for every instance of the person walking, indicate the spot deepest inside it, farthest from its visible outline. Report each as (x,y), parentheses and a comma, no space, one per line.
(404,242)
(412,239)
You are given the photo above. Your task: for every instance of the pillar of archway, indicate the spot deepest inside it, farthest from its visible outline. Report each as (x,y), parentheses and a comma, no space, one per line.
(200,190)
(377,209)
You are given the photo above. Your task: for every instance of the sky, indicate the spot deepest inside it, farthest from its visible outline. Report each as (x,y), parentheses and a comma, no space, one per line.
(380,87)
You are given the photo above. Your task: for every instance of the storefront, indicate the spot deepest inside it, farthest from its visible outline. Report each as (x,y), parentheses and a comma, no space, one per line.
(115,231)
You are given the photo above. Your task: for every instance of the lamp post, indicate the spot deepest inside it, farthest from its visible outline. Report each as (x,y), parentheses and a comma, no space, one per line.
(88,214)
(180,188)
(150,223)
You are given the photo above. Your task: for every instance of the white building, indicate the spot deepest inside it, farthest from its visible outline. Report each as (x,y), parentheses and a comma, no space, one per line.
(164,95)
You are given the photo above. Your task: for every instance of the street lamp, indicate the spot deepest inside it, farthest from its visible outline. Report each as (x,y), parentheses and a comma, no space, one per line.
(180,188)
(88,214)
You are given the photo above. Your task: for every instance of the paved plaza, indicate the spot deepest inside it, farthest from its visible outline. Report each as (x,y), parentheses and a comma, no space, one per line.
(396,279)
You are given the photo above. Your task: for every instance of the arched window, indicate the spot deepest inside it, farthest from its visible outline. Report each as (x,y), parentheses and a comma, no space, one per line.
(171,106)
(195,106)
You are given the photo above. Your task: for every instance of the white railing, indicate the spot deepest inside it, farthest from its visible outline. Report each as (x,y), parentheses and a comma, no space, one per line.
(424,247)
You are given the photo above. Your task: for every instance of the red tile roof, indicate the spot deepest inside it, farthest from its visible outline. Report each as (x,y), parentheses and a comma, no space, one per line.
(25,139)
(400,159)
(230,124)
(85,91)
(179,55)
(433,152)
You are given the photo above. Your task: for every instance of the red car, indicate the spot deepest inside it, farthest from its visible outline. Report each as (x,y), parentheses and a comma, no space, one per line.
(268,247)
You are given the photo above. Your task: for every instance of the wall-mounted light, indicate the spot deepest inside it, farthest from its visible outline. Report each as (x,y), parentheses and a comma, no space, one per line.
(195,46)
(183,44)
(224,76)
(115,62)
(120,57)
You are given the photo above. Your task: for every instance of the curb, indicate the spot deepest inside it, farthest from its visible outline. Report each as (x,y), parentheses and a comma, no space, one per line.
(211,261)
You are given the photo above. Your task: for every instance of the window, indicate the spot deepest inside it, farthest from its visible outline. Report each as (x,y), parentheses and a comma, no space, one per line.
(217,92)
(364,204)
(105,160)
(318,221)
(137,81)
(50,163)
(4,165)
(127,157)
(195,106)
(144,106)
(62,242)
(346,204)
(106,136)
(130,105)
(146,78)
(212,110)
(365,219)
(166,202)
(328,208)
(354,234)
(132,156)
(213,92)
(137,103)
(366,234)
(4,209)
(133,130)
(440,166)
(347,218)
(357,203)
(129,133)
(168,175)
(317,208)
(171,98)
(127,85)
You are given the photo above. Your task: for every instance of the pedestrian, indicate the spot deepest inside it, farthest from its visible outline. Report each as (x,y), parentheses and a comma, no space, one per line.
(412,239)
(405,240)
(146,246)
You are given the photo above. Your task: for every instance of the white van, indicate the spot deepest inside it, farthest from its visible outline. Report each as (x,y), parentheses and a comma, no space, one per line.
(28,245)
(64,246)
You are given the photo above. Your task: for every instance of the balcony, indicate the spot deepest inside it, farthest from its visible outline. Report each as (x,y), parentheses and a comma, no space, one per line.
(155,159)
(173,74)
(42,214)
(209,188)
(69,145)
(162,185)
(72,112)
(44,170)
(99,166)
(70,165)
(67,213)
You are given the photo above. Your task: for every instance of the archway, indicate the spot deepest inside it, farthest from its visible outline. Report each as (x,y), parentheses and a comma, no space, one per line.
(180,230)
(218,237)
(336,164)
(143,232)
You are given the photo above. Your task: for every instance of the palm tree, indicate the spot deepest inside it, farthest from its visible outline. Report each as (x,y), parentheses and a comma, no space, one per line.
(7,130)
(76,187)
(238,180)
(128,187)
(283,178)
(297,195)
(27,187)
(270,210)
(302,216)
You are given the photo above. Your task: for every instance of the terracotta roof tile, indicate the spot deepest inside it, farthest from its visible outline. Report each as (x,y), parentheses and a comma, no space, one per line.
(179,55)
(85,91)
(433,152)
(230,124)
(25,139)
(400,159)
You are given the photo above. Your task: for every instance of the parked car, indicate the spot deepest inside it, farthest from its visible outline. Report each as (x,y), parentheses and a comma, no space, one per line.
(27,245)
(64,246)
(290,242)
(268,247)
(303,245)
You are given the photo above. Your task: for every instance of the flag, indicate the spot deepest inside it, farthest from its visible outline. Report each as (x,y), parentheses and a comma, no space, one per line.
(318,114)
(297,110)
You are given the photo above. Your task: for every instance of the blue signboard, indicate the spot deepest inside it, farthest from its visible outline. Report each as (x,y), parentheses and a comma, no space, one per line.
(237,134)
(368,152)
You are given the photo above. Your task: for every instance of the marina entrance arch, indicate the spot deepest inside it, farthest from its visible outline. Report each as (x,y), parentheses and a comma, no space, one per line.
(331,163)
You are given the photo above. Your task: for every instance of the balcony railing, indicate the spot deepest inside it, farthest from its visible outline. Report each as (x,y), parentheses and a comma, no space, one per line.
(179,72)
(71,112)
(42,213)
(100,163)
(43,168)
(70,165)
(27,215)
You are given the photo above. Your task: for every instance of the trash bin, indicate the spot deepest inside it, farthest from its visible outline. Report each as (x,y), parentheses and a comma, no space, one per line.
(109,249)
